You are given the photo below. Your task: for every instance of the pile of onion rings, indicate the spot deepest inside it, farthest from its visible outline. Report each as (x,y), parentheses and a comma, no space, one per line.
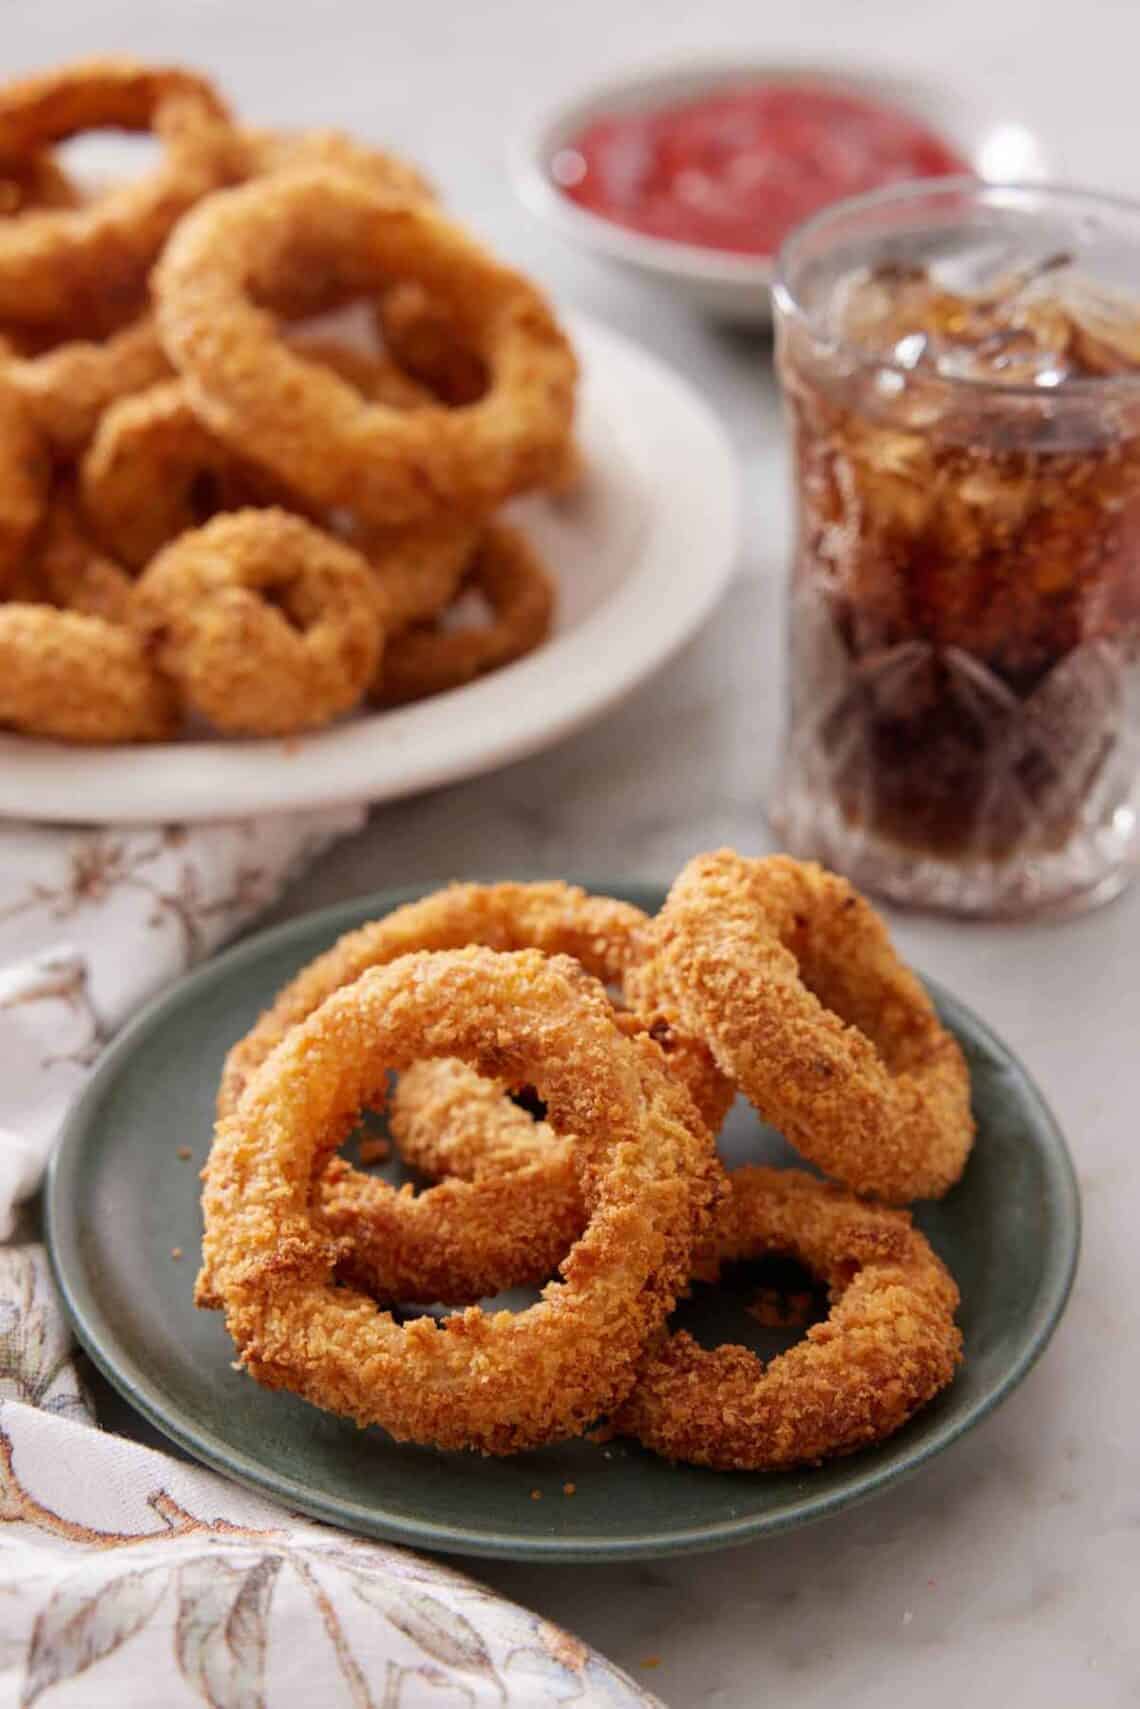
(564,1064)
(157,374)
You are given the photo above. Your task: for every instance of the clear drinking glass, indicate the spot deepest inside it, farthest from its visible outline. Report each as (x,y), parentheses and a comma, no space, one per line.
(961,371)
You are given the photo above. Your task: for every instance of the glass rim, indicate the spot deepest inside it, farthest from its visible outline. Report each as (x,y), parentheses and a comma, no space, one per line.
(791,309)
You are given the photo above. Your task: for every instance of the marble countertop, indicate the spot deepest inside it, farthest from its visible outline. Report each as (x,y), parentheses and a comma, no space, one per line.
(1010,1569)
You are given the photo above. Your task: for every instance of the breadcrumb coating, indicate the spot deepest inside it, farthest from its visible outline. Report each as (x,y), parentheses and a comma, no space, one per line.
(497,1382)
(888,1346)
(790,977)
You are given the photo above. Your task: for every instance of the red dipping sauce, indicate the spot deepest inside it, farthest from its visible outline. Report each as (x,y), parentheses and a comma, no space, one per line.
(737,169)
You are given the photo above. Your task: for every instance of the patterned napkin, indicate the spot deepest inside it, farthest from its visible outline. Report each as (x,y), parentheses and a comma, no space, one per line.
(128,1577)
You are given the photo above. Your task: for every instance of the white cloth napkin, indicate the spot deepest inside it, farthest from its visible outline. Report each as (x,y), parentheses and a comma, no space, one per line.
(128,1577)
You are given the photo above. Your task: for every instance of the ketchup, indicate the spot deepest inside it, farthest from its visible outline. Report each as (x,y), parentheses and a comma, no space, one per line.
(738,169)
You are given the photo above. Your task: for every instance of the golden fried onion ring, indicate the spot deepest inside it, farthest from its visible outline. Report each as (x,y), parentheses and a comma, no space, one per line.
(70,570)
(67,388)
(603,934)
(78,266)
(503,1382)
(154,470)
(331,151)
(78,679)
(790,977)
(440,1245)
(507,1224)
(25,481)
(430,660)
(265,624)
(889,1345)
(246,250)
(421,333)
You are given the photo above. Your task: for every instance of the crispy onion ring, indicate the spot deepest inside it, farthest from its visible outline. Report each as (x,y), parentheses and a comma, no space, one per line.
(422,335)
(889,1345)
(506,1225)
(498,1383)
(244,250)
(70,571)
(602,934)
(35,181)
(154,470)
(68,387)
(418,569)
(332,151)
(376,376)
(80,266)
(265,624)
(532,1211)
(78,679)
(790,977)
(25,480)
(460,1128)
(520,594)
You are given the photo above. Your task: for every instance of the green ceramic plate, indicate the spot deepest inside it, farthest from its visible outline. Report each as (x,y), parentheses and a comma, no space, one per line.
(119,1199)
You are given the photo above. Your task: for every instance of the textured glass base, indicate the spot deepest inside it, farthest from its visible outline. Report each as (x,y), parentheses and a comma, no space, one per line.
(1096,866)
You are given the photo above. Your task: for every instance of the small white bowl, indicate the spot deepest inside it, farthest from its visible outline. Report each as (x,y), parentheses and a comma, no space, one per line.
(736,287)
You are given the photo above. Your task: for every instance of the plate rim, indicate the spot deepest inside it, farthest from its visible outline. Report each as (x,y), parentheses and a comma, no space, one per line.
(221,779)
(210,1449)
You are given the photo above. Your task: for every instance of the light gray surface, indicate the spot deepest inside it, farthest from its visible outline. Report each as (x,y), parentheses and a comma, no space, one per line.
(1010,1571)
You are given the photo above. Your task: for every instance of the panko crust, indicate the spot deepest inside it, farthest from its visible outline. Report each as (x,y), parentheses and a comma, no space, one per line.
(154,471)
(250,250)
(68,569)
(76,678)
(559,919)
(789,975)
(888,1346)
(519,591)
(80,267)
(25,483)
(606,936)
(500,1382)
(206,609)
(67,388)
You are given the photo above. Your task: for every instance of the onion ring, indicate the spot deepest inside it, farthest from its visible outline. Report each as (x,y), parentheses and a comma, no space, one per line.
(153,471)
(332,151)
(248,247)
(420,333)
(72,573)
(460,1129)
(790,977)
(206,606)
(376,376)
(602,934)
(422,336)
(418,569)
(444,1249)
(78,679)
(25,479)
(889,1345)
(68,387)
(35,181)
(79,266)
(498,1383)
(424,661)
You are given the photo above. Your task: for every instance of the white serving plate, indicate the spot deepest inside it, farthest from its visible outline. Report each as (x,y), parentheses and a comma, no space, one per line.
(736,287)
(641,555)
